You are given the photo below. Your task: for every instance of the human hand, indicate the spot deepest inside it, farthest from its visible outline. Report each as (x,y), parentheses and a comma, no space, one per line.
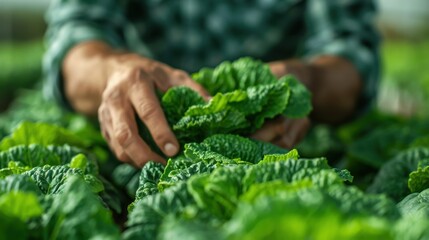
(130,90)
(283,132)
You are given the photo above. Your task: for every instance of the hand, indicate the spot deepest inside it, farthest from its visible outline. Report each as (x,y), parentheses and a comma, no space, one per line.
(283,132)
(130,89)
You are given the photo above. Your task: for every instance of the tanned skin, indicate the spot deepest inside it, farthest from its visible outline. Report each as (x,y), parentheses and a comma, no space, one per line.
(114,86)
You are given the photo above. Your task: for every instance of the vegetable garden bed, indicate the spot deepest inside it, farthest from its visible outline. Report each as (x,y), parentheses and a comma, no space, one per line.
(364,180)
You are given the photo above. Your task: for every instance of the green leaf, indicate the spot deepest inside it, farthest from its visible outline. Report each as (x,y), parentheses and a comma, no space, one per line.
(21,205)
(13,168)
(293,154)
(29,155)
(273,188)
(288,171)
(380,145)
(124,176)
(218,192)
(419,179)
(177,228)
(79,161)
(415,204)
(412,227)
(344,174)
(270,100)
(50,179)
(217,116)
(245,92)
(234,147)
(149,178)
(77,213)
(392,179)
(177,101)
(16,183)
(149,212)
(40,133)
(299,104)
(307,215)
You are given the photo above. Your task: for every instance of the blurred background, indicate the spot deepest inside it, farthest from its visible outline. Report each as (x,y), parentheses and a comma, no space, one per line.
(404,87)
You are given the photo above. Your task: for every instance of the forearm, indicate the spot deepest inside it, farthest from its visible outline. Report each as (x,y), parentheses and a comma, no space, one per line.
(85,73)
(335,85)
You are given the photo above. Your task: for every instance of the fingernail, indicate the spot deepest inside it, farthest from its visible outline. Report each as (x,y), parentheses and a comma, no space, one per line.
(170,149)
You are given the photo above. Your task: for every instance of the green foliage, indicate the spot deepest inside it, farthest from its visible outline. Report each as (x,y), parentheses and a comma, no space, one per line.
(245,94)
(40,133)
(221,185)
(312,215)
(419,179)
(392,179)
(78,214)
(415,204)
(20,205)
(298,105)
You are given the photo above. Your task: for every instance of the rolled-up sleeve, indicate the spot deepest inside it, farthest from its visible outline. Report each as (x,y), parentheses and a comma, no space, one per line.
(346,28)
(71,22)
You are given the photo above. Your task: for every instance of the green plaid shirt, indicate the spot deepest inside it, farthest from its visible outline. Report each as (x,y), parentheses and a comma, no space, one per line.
(190,34)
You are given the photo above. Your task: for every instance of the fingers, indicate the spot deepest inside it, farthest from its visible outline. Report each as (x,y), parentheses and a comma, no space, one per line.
(294,133)
(165,78)
(148,109)
(271,130)
(283,132)
(106,128)
(119,128)
(197,87)
(130,90)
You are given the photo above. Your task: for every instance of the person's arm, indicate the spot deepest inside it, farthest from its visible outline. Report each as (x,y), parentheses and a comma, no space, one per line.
(340,66)
(88,71)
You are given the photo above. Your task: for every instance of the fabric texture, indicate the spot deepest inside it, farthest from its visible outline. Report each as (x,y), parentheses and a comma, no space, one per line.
(191,34)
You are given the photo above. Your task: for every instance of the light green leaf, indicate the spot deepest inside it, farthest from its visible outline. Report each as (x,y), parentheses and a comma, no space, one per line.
(79,161)
(21,205)
(40,133)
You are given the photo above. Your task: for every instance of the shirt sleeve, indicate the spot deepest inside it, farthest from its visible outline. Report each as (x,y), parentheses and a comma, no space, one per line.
(346,28)
(71,22)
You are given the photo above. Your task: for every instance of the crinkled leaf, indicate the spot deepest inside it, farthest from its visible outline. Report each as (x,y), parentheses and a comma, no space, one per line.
(284,170)
(126,176)
(50,179)
(176,102)
(344,174)
(77,213)
(293,154)
(19,183)
(419,179)
(149,178)
(29,155)
(181,174)
(149,212)
(307,215)
(299,104)
(392,179)
(219,191)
